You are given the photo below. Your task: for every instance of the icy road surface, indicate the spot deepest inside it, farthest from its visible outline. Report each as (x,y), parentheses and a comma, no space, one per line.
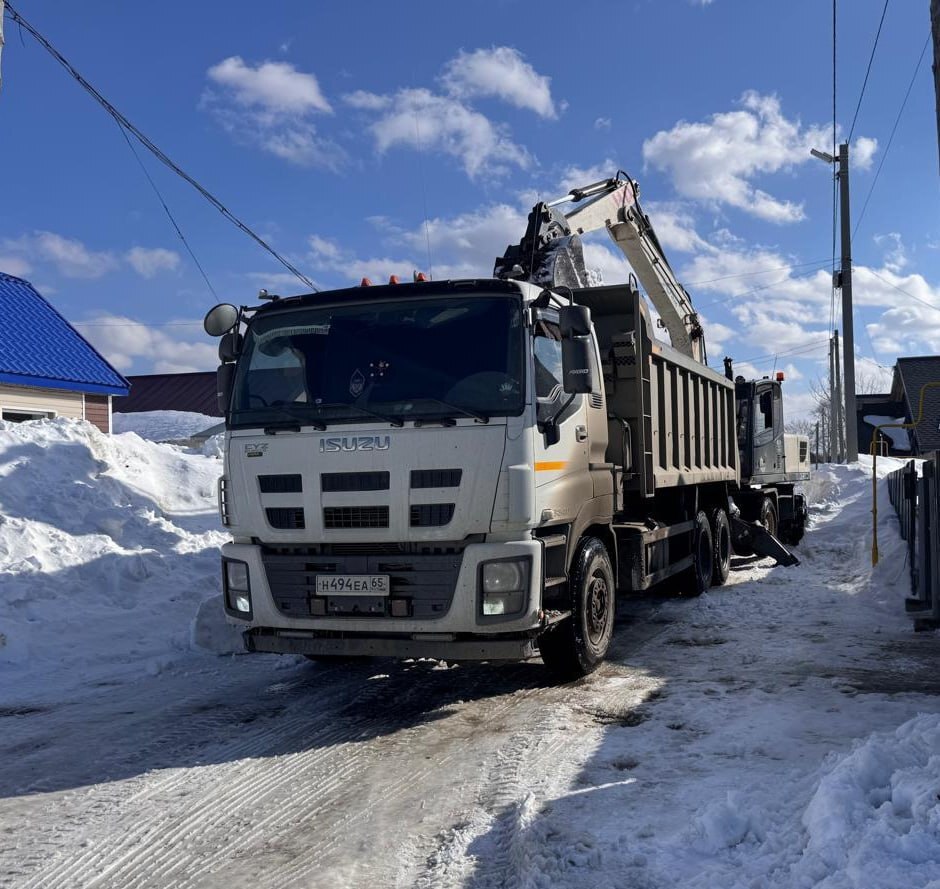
(780,732)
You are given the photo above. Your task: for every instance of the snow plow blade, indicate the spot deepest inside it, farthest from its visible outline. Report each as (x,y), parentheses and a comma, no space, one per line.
(756,537)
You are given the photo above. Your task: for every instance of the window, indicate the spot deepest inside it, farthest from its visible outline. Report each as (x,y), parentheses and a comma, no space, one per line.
(547,348)
(22,416)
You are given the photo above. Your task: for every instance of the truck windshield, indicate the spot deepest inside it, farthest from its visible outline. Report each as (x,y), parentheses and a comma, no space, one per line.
(411,359)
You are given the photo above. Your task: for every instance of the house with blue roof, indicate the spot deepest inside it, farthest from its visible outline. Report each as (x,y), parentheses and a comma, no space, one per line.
(47,368)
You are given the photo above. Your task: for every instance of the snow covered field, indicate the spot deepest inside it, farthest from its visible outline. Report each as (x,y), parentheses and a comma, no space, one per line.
(780,732)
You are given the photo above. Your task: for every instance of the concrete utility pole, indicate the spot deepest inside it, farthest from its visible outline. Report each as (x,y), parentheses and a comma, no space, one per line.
(833,446)
(848,324)
(843,280)
(840,419)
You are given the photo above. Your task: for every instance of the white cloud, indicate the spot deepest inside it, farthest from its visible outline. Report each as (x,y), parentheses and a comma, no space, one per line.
(446,122)
(15,265)
(895,255)
(277,87)
(148,261)
(70,256)
(602,123)
(420,119)
(501,72)
(863,151)
(271,106)
(716,160)
(132,346)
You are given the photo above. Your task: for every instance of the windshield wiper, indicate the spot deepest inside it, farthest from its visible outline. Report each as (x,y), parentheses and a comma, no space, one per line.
(297,414)
(463,411)
(395,421)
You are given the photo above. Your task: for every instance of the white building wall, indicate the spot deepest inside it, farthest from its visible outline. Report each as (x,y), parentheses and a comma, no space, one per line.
(58,402)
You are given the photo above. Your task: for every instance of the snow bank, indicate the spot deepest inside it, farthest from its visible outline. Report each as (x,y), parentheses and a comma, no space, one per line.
(874,819)
(164,425)
(108,546)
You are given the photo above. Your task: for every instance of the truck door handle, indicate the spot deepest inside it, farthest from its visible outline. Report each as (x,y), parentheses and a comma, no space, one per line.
(580,433)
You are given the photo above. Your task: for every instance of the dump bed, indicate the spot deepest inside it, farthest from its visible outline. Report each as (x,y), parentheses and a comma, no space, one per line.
(671,420)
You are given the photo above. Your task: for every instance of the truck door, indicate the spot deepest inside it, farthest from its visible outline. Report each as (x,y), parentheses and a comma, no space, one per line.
(562,476)
(768,430)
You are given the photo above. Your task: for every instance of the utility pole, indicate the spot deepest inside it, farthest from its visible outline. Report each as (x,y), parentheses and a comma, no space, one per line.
(832,402)
(848,324)
(843,280)
(840,419)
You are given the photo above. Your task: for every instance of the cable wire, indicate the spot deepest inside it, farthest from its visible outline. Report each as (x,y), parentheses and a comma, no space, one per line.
(166,210)
(871,59)
(897,120)
(125,124)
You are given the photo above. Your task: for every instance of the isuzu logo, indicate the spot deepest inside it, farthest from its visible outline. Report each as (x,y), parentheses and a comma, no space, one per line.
(355,443)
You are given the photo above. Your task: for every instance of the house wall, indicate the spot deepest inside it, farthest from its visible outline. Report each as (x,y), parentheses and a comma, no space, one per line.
(98,411)
(58,401)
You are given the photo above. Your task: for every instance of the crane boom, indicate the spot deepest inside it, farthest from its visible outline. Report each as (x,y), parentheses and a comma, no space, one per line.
(551,254)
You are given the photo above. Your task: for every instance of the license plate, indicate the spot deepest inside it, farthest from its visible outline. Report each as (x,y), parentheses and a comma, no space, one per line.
(352,584)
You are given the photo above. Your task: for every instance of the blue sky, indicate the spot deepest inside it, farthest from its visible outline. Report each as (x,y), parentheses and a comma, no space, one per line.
(335,130)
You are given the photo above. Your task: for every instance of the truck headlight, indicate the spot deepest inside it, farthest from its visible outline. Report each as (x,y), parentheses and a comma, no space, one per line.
(504,586)
(237,588)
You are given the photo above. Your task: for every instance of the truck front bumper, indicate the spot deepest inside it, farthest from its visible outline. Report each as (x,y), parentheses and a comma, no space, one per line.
(449,646)
(462,618)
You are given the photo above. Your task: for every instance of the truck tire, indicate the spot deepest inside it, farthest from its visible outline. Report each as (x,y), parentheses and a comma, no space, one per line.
(721,546)
(768,516)
(577,645)
(698,578)
(791,532)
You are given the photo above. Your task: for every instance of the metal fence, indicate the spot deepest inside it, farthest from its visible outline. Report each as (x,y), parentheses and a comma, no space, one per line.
(916,500)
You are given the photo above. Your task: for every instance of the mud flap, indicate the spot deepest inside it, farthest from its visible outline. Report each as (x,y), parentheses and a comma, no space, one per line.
(756,537)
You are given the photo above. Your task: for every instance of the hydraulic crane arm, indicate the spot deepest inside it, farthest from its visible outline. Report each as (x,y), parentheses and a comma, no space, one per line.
(550,253)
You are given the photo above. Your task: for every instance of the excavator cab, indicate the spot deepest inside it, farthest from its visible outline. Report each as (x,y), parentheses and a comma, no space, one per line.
(760,429)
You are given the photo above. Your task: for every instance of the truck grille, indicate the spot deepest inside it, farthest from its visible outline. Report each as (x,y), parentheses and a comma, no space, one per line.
(431,515)
(354,481)
(280,484)
(426,580)
(285,518)
(436,478)
(335,517)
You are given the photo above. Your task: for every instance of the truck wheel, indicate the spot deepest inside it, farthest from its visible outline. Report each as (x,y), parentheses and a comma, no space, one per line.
(721,546)
(698,578)
(768,516)
(579,643)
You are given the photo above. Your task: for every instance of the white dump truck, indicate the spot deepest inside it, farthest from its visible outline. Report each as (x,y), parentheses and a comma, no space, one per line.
(477,469)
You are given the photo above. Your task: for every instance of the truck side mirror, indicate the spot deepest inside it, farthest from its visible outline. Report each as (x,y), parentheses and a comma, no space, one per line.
(224,378)
(574,321)
(577,365)
(220,319)
(230,346)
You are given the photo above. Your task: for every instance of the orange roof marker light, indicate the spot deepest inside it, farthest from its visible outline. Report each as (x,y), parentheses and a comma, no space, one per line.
(780,376)
(365,282)
(393,279)
(420,276)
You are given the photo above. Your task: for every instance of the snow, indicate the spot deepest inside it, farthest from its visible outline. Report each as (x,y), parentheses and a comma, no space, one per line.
(899,438)
(164,425)
(781,732)
(107,545)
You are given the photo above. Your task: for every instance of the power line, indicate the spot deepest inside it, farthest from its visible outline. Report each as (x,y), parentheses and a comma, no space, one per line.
(905,292)
(871,59)
(779,268)
(166,210)
(897,120)
(125,124)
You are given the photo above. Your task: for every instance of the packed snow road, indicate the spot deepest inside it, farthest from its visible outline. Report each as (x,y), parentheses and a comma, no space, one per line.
(780,732)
